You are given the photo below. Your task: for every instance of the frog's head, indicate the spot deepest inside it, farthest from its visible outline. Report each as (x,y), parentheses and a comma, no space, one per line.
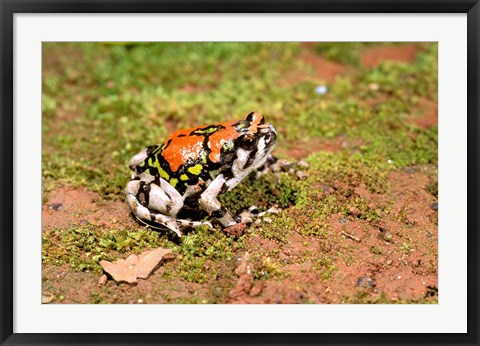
(255,141)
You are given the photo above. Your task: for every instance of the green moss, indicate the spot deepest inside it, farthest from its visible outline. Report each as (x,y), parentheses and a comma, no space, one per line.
(279,229)
(405,248)
(326,266)
(316,229)
(342,52)
(266,268)
(84,247)
(201,246)
(433,188)
(376,250)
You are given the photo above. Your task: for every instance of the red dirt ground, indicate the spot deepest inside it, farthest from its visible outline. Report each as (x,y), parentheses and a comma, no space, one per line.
(68,207)
(372,56)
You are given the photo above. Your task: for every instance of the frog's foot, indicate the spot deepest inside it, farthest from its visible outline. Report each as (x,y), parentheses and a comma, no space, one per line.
(276,165)
(253,214)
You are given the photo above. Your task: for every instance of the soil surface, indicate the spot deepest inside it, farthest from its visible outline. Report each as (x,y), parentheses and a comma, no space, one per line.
(373,56)
(374,260)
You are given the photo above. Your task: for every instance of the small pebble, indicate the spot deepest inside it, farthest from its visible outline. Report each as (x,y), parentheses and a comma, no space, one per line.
(343,220)
(365,282)
(267,219)
(434,206)
(55,206)
(321,89)
(410,170)
(355,211)
(373,86)
(102,280)
(256,290)
(236,230)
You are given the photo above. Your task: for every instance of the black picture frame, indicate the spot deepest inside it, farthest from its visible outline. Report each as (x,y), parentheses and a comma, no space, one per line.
(9,7)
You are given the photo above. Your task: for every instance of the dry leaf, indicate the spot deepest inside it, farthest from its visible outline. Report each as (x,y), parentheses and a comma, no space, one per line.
(134,266)
(148,261)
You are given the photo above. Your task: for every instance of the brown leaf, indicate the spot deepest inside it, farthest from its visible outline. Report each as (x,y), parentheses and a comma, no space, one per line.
(149,260)
(134,266)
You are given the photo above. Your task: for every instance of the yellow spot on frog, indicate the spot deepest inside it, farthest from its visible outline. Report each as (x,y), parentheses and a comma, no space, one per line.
(206,131)
(197,169)
(184,177)
(173,182)
(203,157)
(228,145)
(162,173)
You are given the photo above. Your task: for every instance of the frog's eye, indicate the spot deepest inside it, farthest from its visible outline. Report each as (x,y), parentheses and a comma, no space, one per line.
(256,118)
(248,142)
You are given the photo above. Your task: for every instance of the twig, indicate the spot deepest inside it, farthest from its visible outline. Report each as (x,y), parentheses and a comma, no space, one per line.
(347,235)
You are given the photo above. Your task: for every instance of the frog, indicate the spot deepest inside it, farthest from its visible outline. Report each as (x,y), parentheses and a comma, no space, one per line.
(192,167)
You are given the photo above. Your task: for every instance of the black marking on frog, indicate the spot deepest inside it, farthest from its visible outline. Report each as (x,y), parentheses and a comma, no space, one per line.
(251,158)
(143,193)
(219,213)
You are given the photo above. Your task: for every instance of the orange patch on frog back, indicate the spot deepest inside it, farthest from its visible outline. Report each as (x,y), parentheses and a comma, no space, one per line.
(219,138)
(182,147)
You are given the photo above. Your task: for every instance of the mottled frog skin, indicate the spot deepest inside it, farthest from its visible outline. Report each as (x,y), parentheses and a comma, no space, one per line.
(197,165)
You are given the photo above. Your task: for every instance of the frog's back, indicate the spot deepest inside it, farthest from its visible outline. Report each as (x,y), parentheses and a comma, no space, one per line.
(202,145)
(188,155)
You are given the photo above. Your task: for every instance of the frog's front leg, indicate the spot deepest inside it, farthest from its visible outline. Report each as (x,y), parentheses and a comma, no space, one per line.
(208,201)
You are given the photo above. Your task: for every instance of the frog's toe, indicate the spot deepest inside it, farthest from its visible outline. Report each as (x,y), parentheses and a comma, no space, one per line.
(253,214)
(189,223)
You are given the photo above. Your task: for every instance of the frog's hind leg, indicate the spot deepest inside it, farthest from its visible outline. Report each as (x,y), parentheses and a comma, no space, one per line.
(158,204)
(160,221)
(147,217)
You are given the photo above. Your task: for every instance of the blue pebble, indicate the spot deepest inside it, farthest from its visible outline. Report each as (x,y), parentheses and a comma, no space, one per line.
(321,89)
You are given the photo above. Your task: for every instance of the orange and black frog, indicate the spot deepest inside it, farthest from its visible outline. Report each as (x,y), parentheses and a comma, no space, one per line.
(193,166)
